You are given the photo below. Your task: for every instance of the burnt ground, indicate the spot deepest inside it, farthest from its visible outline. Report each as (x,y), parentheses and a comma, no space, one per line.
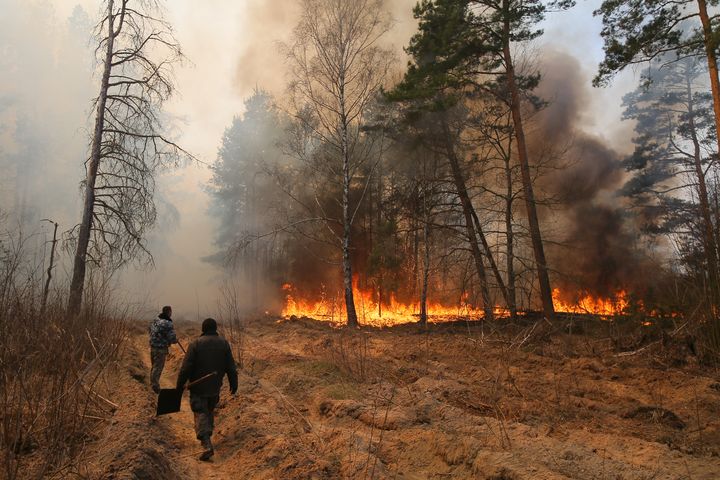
(459,401)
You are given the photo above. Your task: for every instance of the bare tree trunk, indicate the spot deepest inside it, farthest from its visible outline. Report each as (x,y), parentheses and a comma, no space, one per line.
(254,264)
(79,267)
(710,49)
(708,230)
(716,211)
(489,255)
(46,290)
(416,244)
(352,320)
(426,265)
(380,296)
(469,227)
(509,236)
(533,222)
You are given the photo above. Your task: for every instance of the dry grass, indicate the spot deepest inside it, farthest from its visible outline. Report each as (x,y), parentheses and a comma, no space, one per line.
(53,386)
(349,351)
(229,315)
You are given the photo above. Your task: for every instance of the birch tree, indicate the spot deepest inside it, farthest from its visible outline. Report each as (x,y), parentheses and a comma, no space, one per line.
(338,66)
(137,52)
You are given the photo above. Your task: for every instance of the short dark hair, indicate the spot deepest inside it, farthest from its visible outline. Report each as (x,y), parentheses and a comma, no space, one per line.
(166,309)
(209,325)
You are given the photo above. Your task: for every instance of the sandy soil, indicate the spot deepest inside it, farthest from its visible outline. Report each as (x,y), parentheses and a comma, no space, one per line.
(457,402)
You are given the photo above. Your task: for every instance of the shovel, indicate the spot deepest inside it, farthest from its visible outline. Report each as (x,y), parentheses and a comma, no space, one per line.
(169,398)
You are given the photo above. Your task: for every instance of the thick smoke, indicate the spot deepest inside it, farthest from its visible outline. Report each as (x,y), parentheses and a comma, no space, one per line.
(45,93)
(596,240)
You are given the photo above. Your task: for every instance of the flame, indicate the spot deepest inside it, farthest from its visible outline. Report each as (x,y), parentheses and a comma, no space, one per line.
(331,308)
(592,305)
(369,312)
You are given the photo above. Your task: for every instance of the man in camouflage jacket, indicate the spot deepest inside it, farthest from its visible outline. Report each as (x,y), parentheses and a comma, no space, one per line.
(162,335)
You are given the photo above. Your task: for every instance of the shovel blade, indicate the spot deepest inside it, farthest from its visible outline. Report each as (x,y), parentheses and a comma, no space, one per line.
(168,401)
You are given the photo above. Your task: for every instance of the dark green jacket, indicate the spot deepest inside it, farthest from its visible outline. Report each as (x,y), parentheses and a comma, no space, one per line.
(208,353)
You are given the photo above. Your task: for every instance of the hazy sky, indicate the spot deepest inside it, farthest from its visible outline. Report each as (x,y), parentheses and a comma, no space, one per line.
(232,46)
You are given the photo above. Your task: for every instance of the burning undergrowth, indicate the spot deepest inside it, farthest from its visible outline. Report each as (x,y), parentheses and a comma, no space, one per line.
(330,307)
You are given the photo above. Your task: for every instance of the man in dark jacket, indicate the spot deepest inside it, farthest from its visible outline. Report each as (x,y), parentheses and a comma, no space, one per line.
(162,335)
(208,354)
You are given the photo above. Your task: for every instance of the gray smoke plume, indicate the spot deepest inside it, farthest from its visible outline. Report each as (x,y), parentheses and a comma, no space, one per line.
(596,250)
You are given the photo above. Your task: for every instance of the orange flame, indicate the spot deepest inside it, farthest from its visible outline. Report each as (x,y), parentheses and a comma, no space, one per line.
(394,312)
(592,305)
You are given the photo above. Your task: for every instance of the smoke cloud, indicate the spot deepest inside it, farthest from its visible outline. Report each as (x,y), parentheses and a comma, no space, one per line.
(596,240)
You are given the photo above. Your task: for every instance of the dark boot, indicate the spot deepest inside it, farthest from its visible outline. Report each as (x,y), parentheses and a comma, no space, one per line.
(207,445)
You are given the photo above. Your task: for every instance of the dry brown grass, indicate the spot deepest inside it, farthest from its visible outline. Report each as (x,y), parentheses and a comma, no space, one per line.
(54,390)
(349,351)
(229,315)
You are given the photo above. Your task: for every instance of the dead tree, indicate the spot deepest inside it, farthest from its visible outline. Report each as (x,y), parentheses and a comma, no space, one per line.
(138,51)
(338,67)
(46,289)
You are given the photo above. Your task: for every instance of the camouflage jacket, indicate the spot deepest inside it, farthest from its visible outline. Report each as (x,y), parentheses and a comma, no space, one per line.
(162,333)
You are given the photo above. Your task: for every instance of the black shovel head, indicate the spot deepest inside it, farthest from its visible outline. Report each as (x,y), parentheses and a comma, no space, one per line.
(168,401)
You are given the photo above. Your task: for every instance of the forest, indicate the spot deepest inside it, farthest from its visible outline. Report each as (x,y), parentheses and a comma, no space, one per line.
(432,254)
(460,189)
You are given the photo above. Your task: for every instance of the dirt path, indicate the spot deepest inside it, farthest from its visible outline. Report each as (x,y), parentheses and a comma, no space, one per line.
(396,404)
(139,445)
(178,427)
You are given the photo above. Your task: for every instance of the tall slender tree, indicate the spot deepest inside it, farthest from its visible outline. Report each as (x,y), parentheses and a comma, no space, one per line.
(673,164)
(637,31)
(244,194)
(127,146)
(338,67)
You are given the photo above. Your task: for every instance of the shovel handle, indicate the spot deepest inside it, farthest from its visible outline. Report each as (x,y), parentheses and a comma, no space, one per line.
(201,379)
(181,347)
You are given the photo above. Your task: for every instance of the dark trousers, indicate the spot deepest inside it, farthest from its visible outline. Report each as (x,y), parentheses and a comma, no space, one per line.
(203,409)
(157,361)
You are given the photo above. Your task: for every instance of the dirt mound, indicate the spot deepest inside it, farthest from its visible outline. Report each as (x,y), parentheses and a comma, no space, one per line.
(656,414)
(142,463)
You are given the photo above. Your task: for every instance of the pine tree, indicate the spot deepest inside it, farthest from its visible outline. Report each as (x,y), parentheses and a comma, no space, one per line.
(465,46)
(637,31)
(672,161)
(240,186)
